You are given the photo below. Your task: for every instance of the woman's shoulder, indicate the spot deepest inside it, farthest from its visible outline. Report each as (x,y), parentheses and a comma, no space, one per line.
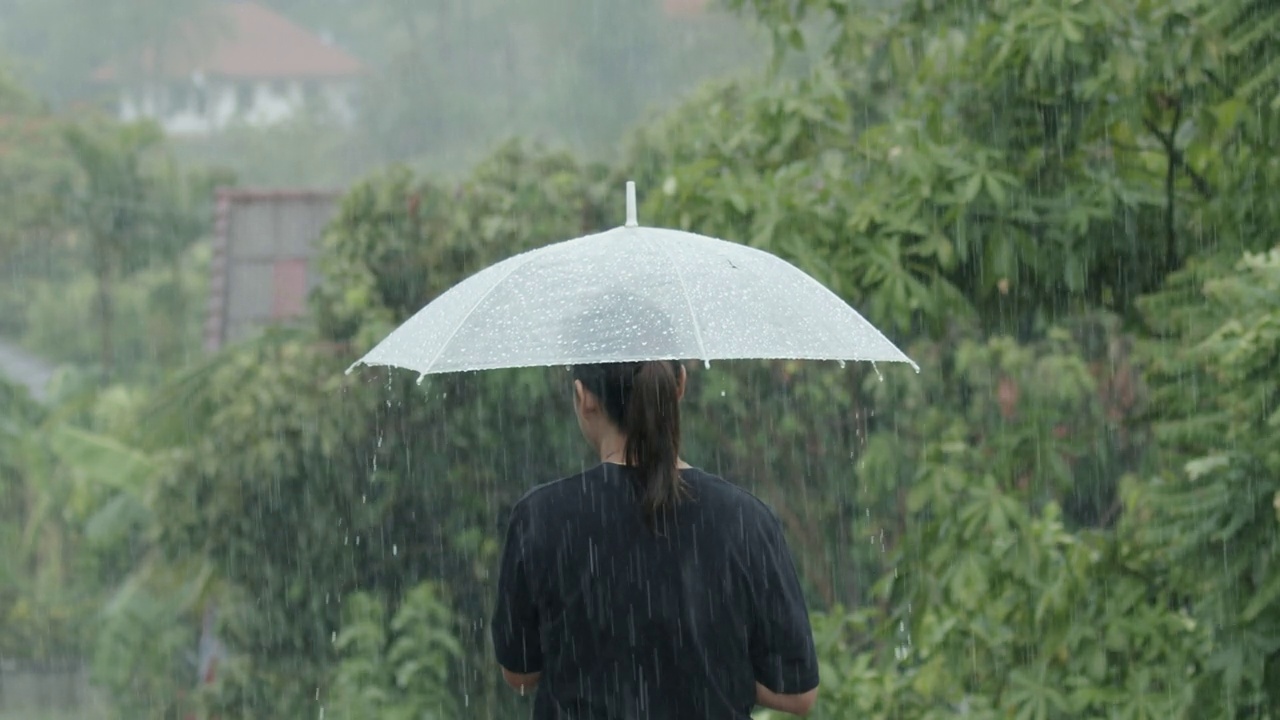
(709,487)
(711,491)
(555,491)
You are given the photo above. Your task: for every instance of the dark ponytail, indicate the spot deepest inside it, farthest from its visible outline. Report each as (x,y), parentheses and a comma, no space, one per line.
(643,400)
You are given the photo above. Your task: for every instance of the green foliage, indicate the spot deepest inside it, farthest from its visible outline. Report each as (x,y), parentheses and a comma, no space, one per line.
(134,208)
(141,648)
(1010,583)
(70,519)
(1216,379)
(1045,523)
(1252,64)
(398,669)
(398,241)
(353,494)
(102,231)
(1024,159)
(158,320)
(33,171)
(1011,615)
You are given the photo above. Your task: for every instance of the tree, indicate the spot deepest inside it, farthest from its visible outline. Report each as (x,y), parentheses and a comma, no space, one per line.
(70,516)
(33,170)
(62,42)
(1215,507)
(112,207)
(135,208)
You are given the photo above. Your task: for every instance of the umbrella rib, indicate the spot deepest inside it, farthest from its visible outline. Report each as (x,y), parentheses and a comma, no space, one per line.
(697,331)
(463,320)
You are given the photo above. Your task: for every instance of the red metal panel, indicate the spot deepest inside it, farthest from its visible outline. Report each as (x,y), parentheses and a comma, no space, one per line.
(263,245)
(290,284)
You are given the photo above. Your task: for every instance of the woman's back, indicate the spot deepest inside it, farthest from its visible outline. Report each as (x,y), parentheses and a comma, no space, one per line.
(627,622)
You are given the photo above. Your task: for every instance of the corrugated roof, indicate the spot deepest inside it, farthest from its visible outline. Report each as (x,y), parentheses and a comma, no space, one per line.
(289,291)
(245,40)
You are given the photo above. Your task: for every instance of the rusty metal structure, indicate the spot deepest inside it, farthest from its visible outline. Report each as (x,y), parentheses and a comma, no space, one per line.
(262,269)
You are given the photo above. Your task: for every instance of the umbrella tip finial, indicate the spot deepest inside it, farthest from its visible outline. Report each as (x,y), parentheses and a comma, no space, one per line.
(631,204)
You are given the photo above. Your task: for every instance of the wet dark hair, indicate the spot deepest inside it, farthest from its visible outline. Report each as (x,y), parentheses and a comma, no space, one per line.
(643,400)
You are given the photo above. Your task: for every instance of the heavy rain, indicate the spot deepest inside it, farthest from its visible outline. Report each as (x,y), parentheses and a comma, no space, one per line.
(639,359)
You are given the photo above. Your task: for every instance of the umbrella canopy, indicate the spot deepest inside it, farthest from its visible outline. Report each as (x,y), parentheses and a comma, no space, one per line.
(630,294)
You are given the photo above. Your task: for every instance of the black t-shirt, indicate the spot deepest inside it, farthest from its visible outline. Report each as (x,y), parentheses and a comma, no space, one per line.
(624,623)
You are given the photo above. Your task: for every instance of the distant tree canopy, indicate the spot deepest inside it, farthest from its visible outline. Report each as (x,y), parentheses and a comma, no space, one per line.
(59,43)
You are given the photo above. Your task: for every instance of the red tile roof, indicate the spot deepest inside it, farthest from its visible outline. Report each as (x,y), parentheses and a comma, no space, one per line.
(246,41)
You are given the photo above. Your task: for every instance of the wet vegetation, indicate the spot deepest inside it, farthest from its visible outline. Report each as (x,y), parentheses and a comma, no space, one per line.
(1065,212)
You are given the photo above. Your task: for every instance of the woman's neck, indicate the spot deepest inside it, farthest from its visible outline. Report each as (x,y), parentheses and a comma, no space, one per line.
(613,449)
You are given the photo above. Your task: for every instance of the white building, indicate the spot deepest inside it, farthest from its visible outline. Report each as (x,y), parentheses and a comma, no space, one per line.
(242,63)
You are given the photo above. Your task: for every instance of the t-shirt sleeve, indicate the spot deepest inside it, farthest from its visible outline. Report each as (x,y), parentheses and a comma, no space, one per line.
(782,649)
(516,641)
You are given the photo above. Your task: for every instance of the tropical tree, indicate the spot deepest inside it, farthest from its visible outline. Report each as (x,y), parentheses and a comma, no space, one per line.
(1214,510)
(73,517)
(134,209)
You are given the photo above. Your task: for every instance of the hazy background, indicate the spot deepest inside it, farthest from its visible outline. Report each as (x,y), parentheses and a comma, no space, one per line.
(446,79)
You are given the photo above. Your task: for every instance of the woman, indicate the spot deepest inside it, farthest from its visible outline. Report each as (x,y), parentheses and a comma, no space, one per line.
(644,587)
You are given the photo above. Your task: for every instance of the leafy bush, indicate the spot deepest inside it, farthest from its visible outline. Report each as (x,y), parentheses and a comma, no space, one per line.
(398,669)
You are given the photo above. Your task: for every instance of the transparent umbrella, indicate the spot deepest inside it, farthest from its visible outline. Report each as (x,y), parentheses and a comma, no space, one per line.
(630,294)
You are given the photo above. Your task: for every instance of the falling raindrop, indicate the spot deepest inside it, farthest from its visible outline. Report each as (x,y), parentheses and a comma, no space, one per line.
(394,549)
